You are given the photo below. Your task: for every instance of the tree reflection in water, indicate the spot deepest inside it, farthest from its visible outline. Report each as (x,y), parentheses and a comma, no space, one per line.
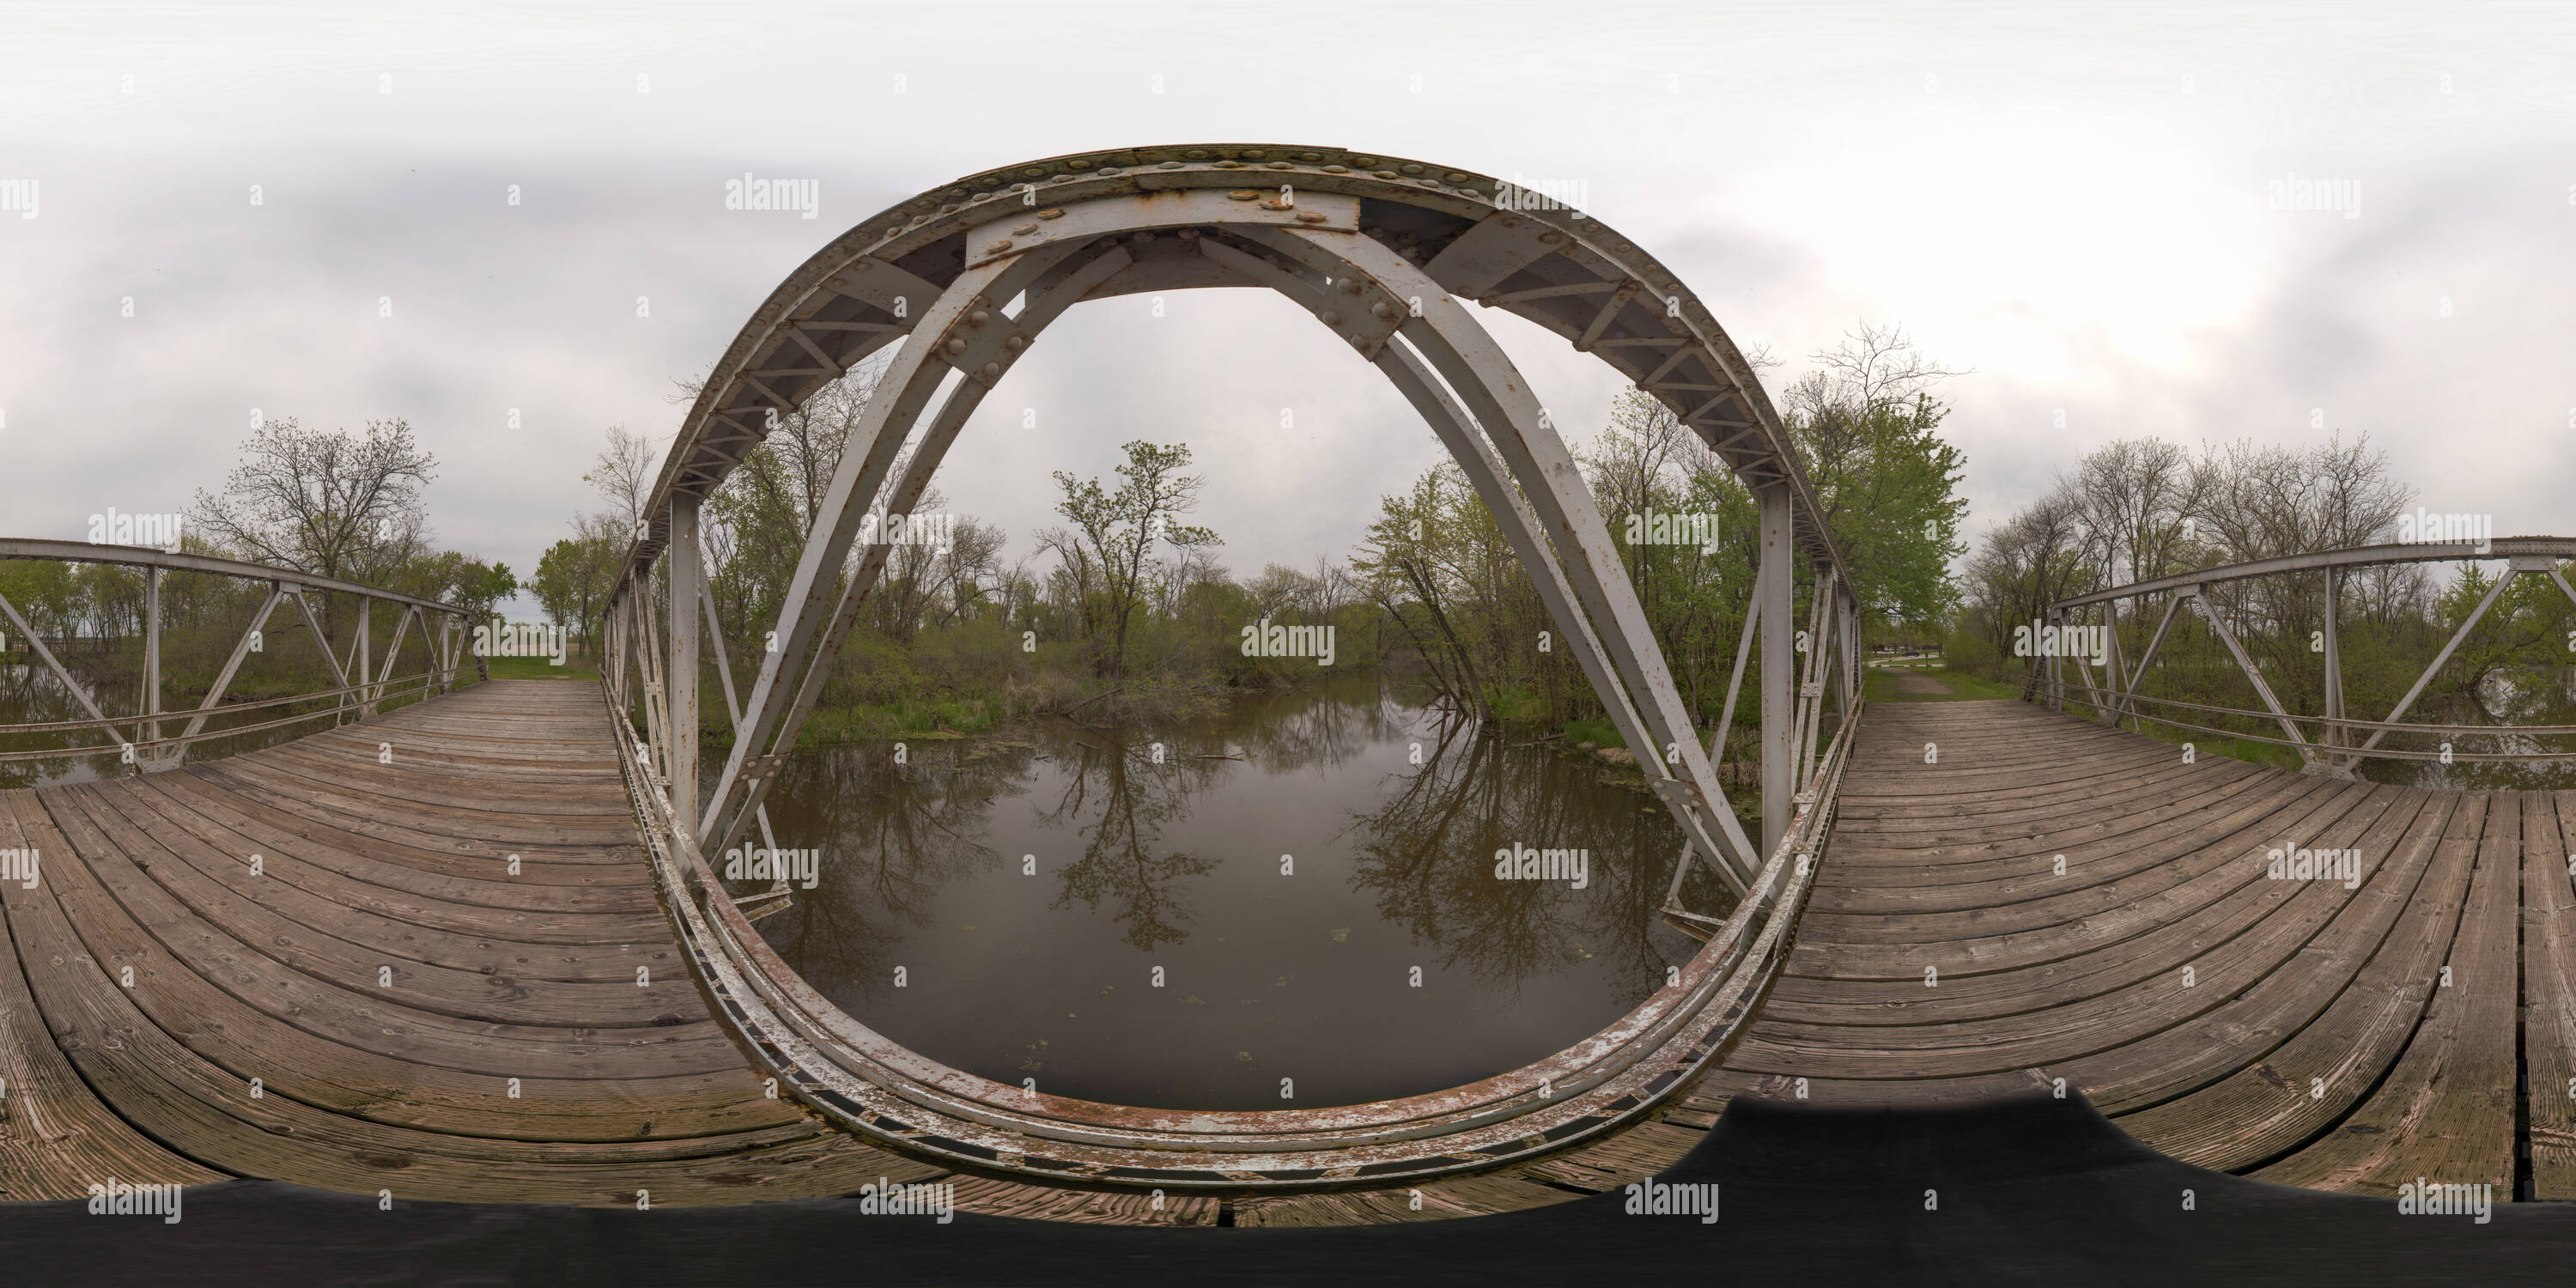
(891,836)
(1136,797)
(1429,850)
(1032,889)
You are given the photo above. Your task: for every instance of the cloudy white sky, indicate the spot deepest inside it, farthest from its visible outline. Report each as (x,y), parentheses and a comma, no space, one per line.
(2073,201)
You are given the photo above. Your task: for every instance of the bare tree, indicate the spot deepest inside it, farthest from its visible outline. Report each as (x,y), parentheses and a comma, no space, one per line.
(624,475)
(322,502)
(809,440)
(2133,498)
(1873,366)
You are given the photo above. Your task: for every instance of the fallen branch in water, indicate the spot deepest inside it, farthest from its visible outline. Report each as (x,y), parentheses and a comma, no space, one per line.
(1068,711)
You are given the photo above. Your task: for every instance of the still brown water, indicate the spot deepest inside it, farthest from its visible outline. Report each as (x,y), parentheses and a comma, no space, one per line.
(1004,904)
(2524,696)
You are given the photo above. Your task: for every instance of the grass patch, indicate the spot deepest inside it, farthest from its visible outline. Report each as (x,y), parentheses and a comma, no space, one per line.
(534,668)
(1882,686)
(916,718)
(2203,744)
(1596,730)
(1519,704)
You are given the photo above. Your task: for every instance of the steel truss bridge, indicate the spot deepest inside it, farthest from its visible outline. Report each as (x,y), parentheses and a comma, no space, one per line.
(481,953)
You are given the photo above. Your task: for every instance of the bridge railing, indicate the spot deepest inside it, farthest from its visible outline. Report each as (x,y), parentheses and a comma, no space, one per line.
(150,738)
(2331,740)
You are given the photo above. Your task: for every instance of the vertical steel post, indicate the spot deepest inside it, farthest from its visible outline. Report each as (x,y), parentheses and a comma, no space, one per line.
(366,664)
(682,604)
(151,662)
(1855,666)
(2114,666)
(2056,676)
(2332,735)
(1779,670)
(1811,684)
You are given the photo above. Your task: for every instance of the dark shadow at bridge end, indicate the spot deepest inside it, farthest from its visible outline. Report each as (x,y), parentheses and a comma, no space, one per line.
(2028,1189)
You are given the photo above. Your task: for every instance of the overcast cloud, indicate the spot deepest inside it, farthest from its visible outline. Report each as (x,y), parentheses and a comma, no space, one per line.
(2075,203)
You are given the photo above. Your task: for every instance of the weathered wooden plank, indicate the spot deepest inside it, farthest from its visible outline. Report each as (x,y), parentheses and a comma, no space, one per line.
(2446,1110)
(2070,1028)
(56,1136)
(1644,1150)
(2090,973)
(129,920)
(2549,989)
(1082,1207)
(511,908)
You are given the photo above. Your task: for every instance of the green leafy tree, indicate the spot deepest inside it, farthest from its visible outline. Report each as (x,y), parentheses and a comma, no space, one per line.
(574,574)
(1867,428)
(1121,530)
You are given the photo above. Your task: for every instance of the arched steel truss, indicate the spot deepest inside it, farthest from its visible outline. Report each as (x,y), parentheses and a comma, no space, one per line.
(2331,741)
(1384,252)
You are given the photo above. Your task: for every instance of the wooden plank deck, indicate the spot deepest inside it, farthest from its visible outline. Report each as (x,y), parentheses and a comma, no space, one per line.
(420,1019)
(2047,899)
(2050,899)
(417,1018)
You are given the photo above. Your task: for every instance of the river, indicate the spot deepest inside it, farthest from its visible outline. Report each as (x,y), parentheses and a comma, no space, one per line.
(1277,908)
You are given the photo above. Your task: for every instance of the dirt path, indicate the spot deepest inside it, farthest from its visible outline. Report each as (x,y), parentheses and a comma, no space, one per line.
(1921,686)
